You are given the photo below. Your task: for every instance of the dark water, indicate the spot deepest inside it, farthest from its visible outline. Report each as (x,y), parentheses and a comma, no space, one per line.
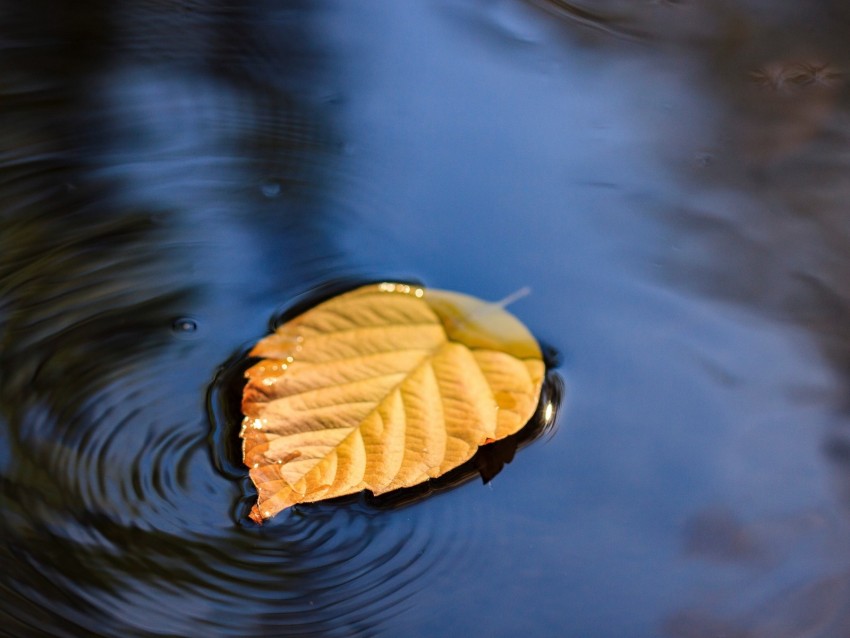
(671,180)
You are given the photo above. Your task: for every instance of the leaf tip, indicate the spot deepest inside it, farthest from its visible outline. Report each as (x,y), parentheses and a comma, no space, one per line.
(255,515)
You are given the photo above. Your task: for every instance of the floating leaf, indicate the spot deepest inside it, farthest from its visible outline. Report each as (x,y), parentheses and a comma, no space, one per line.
(381,388)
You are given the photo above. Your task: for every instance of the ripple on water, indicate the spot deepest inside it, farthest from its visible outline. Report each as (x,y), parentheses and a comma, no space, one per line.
(359,560)
(127,526)
(116,518)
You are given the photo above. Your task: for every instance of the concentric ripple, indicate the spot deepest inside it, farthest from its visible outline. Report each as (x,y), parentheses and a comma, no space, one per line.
(159,196)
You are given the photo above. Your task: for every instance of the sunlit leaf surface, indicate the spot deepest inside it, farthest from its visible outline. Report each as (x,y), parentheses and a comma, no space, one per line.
(382,388)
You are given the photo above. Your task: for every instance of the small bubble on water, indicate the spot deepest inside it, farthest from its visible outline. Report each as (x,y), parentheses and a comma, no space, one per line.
(270,189)
(184,325)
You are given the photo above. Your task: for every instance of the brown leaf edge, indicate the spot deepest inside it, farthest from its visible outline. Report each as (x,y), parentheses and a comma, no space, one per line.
(224,411)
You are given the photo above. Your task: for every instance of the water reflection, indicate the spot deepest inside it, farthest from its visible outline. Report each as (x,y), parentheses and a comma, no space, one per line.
(668,177)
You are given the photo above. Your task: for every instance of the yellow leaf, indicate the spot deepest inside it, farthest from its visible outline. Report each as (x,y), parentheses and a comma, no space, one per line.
(382,388)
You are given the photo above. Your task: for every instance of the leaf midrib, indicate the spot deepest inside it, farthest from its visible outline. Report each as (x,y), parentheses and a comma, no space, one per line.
(429,355)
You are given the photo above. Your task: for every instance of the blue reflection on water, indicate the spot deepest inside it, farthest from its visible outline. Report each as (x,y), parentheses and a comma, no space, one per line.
(676,210)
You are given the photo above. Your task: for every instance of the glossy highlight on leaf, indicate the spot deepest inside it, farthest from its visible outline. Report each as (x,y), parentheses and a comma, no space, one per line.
(382,388)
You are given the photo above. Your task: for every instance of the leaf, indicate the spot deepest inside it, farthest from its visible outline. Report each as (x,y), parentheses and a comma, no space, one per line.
(381,388)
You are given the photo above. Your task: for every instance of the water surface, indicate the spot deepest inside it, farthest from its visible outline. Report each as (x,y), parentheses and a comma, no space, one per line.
(668,177)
